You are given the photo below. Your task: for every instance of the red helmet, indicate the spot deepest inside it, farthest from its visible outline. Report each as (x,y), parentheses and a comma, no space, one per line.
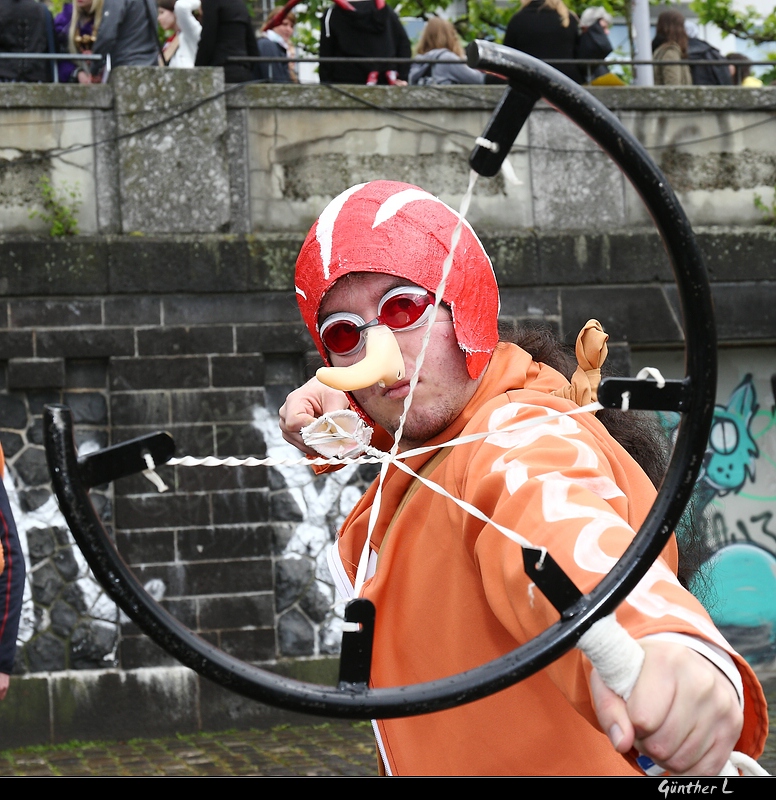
(399,229)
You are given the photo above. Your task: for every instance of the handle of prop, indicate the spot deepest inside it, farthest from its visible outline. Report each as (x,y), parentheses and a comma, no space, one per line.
(382,363)
(618,658)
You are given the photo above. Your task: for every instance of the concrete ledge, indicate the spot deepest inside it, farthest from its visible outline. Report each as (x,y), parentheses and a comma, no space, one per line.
(51,708)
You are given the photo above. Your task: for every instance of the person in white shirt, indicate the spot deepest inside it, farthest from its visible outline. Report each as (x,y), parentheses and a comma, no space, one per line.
(179,16)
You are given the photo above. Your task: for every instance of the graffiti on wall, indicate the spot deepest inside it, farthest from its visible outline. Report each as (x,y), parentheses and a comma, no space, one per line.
(736,496)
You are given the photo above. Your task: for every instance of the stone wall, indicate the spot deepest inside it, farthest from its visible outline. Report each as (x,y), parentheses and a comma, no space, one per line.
(173,151)
(175,310)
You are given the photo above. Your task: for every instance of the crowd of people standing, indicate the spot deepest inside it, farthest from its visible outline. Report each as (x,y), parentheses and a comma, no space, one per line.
(217,33)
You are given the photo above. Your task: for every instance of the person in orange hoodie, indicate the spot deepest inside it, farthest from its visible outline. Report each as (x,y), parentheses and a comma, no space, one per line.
(12,572)
(449,588)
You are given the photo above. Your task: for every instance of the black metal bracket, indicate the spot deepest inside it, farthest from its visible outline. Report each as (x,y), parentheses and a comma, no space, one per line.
(645,394)
(125,459)
(356,651)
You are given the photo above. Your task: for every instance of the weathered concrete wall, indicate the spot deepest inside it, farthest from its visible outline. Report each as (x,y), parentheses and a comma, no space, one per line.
(176,311)
(177,152)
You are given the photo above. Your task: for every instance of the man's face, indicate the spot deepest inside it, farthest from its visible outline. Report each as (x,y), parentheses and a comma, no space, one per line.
(444,386)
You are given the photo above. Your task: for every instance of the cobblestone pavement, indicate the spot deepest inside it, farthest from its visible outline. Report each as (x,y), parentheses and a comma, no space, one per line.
(331,749)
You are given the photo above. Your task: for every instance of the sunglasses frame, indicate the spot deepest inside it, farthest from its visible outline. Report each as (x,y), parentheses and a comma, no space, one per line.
(362,325)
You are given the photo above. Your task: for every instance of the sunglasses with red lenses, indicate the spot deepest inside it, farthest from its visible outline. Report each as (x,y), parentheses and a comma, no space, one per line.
(400,309)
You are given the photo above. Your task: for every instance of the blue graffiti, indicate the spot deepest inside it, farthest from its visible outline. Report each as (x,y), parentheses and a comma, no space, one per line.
(731,450)
(742,606)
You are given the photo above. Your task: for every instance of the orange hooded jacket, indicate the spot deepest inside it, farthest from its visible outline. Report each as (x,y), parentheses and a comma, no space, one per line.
(451,593)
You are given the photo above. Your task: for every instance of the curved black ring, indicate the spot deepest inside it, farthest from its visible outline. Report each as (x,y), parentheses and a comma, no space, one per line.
(595,119)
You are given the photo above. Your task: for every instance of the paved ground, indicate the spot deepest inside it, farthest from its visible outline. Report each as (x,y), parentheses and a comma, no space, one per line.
(339,748)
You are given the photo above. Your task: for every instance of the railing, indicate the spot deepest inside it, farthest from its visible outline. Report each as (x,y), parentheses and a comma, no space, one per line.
(585,63)
(51,57)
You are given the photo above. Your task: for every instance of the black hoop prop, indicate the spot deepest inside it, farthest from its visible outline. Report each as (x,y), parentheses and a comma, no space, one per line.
(694,396)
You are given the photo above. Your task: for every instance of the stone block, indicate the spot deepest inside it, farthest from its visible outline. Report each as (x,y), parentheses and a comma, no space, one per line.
(137,652)
(36,373)
(272,260)
(113,705)
(33,313)
(25,714)
(179,163)
(220,479)
(221,710)
(515,258)
(249,645)
(296,636)
(217,405)
(13,412)
(235,309)
(11,443)
(180,372)
(91,373)
(133,311)
(636,315)
(228,613)
(239,440)
(759,321)
(286,337)
(16,344)
(146,547)
(61,266)
(190,264)
(214,578)
(178,340)
(85,343)
(529,303)
(236,370)
(240,508)
(563,160)
(139,408)
(733,254)
(161,511)
(575,259)
(89,408)
(250,540)
(293,576)
(637,255)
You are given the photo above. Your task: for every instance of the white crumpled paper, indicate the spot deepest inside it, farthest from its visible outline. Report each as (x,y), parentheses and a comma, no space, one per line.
(338,434)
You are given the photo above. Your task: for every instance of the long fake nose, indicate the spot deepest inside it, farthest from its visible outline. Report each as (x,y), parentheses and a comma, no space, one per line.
(382,363)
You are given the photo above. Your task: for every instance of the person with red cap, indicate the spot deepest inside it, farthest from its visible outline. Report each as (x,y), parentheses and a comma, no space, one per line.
(445,571)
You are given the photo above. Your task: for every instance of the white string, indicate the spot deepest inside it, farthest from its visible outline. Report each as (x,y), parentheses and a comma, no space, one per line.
(652,372)
(151,473)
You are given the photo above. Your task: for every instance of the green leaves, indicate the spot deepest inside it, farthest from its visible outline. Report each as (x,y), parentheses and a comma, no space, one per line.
(60,209)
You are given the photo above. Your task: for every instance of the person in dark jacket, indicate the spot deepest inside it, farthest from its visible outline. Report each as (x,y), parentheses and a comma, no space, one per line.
(593,42)
(545,29)
(364,28)
(705,74)
(12,573)
(227,33)
(26,26)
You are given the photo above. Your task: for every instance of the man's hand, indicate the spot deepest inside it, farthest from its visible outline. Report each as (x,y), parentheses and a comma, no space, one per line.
(306,404)
(683,713)
(4,681)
